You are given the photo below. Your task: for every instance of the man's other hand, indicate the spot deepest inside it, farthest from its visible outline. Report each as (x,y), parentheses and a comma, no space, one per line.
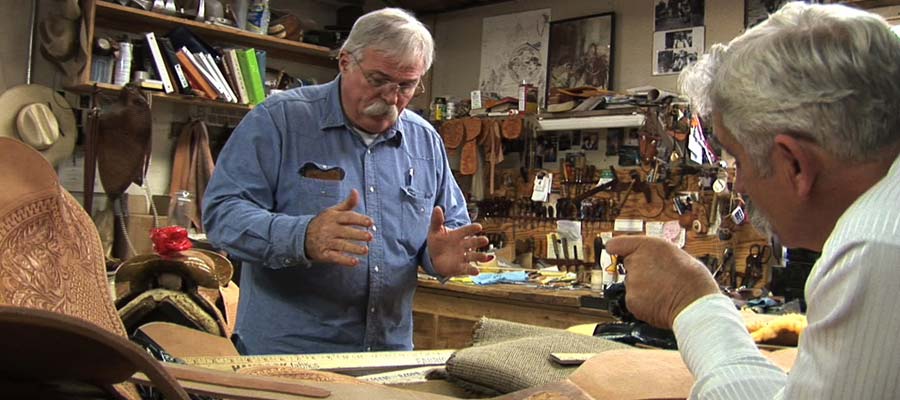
(334,236)
(662,279)
(453,249)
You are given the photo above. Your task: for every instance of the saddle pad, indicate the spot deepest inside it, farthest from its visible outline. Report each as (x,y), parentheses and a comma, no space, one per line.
(452,132)
(512,128)
(473,128)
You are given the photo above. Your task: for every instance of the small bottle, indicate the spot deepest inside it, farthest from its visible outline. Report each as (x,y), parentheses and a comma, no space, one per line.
(180,215)
(451,109)
(440,105)
(523,92)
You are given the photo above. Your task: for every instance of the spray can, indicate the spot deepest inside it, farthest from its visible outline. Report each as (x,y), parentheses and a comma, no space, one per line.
(123,64)
(258,17)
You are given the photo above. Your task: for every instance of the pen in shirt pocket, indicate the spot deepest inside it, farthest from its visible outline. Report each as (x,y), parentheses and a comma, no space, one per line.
(409,178)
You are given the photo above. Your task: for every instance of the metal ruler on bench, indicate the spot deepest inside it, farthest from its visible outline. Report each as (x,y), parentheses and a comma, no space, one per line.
(366,362)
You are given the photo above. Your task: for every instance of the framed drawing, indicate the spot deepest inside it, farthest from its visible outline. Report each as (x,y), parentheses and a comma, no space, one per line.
(581,51)
(513,49)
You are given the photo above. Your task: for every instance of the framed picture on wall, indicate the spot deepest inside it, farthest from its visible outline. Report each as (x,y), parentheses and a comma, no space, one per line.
(756,11)
(580,52)
(675,50)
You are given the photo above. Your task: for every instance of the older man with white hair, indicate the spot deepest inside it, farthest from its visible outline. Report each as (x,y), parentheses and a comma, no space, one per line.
(334,195)
(808,103)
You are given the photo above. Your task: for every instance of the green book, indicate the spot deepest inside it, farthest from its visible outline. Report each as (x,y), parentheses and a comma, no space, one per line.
(252,78)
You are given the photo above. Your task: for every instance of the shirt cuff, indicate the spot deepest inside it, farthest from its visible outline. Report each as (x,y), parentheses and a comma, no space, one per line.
(711,316)
(288,235)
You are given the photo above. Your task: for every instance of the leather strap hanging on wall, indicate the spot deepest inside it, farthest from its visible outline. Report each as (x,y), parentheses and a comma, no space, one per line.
(494,149)
(468,161)
(90,154)
(191,169)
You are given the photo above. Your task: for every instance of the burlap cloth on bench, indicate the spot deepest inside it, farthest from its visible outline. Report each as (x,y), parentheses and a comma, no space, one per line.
(507,356)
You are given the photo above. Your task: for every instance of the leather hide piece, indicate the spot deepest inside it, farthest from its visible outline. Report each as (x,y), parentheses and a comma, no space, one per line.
(452,132)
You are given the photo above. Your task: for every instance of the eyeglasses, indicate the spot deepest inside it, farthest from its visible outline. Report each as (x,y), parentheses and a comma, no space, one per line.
(406,89)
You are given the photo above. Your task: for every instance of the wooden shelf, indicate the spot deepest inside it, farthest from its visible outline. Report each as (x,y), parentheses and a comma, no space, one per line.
(114,16)
(868,4)
(160,96)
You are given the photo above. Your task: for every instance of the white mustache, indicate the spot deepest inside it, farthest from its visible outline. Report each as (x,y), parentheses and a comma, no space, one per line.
(380,108)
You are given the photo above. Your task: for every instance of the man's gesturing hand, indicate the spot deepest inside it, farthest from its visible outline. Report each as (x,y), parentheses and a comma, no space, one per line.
(333,236)
(452,249)
(662,279)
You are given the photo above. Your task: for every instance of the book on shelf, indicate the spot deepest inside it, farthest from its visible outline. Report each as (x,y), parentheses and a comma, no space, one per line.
(200,63)
(181,83)
(233,66)
(252,77)
(261,64)
(158,63)
(220,77)
(197,81)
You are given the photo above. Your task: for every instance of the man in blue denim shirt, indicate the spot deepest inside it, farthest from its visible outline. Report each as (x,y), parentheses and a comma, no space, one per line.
(333,195)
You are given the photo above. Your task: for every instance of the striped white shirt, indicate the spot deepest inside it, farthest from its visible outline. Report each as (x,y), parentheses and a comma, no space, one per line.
(851,348)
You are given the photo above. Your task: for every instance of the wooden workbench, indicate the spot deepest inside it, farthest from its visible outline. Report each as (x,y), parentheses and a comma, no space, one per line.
(444,315)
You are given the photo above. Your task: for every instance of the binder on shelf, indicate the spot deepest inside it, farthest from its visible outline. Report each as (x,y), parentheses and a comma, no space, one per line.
(183,37)
(181,83)
(196,78)
(156,53)
(252,77)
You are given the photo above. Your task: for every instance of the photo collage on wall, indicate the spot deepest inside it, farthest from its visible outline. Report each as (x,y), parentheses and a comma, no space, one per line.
(678,37)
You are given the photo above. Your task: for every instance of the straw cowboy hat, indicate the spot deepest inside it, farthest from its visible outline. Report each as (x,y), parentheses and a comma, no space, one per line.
(64,39)
(41,118)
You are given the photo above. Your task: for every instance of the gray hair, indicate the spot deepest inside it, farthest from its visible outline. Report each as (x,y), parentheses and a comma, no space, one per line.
(395,33)
(827,73)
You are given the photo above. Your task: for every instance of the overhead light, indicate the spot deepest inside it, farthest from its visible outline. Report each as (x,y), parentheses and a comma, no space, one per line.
(595,122)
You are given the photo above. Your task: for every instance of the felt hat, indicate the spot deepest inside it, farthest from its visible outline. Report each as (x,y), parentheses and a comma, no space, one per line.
(63,39)
(41,118)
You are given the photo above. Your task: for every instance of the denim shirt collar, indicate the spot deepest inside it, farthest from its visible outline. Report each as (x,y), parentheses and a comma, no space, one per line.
(335,117)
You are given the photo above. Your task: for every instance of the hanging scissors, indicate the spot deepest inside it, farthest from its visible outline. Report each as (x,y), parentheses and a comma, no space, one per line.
(761,254)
